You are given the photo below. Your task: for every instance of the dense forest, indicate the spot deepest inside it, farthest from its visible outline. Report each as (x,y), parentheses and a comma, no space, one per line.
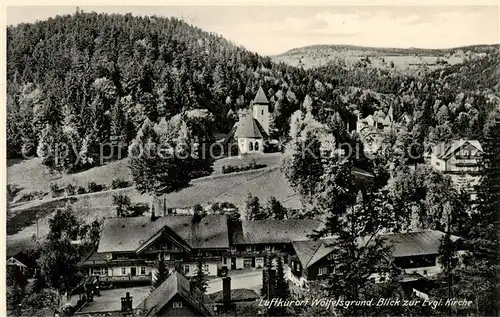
(91,78)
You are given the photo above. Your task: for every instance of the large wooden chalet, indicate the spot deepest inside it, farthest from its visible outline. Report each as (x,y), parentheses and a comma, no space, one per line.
(129,247)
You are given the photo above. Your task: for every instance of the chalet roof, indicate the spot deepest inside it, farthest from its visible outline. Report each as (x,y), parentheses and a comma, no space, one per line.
(445,151)
(129,234)
(16,262)
(403,244)
(260,97)
(93,258)
(176,284)
(273,231)
(416,243)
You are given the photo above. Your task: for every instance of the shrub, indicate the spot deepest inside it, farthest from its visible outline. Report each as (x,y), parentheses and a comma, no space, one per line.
(93,187)
(70,189)
(226,169)
(32,196)
(55,191)
(80,190)
(119,183)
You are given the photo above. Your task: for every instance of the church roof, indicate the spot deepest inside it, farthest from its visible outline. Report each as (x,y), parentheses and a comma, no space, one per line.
(248,127)
(260,97)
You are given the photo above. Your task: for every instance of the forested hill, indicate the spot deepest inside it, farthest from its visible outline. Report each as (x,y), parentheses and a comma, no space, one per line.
(94,78)
(85,66)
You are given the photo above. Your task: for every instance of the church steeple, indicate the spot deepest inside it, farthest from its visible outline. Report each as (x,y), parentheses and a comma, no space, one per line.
(260,97)
(260,109)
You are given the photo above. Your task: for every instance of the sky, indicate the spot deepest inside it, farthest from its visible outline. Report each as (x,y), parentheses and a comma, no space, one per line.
(274,29)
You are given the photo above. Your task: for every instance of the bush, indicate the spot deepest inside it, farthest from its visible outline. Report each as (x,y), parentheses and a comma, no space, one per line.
(32,196)
(119,183)
(80,190)
(226,169)
(94,188)
(55,191)
(70,189)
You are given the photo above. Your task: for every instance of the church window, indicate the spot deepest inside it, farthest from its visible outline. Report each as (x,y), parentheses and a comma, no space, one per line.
(250,146)
(262,112)
(256,146)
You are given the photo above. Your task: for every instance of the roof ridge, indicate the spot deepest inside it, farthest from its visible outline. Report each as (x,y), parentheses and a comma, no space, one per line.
(312,255)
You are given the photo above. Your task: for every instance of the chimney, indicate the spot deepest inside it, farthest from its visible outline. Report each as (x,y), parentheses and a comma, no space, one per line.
(226,291)
(126,303)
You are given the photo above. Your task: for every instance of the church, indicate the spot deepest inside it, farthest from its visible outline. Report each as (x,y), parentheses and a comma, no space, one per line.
(252,129)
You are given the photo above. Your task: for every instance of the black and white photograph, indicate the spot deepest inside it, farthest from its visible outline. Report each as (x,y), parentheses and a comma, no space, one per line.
(251,159)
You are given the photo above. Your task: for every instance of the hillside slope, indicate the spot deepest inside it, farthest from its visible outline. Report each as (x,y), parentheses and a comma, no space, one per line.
(384,58)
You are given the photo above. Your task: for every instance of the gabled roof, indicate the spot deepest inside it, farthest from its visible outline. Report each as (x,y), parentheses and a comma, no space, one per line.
(247,127)
(14,261)
(273,231)
(403,244)
(94,258)
(416,243)
(176,284)
(260,97)
(456,145)
(129,234)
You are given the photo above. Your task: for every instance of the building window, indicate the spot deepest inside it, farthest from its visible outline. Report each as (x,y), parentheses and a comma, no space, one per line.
(249,248)
(250,146)
(186,269)
(206,268)
(143,270)
(268,248)
(256,146)
(322,271)
(330,256)
(262,112)
(124,271)
(225,260)
(177,304)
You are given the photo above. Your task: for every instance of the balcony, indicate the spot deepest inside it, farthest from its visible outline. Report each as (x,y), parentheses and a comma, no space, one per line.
(254,253)
(125,278)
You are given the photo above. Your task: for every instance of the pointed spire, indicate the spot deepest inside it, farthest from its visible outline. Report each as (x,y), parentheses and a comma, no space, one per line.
(260,97)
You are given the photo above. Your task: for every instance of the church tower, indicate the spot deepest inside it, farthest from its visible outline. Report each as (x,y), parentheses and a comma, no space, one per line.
(260,109)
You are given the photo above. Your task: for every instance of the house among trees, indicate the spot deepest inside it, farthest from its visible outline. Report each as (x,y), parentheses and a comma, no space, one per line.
(251,132)
(460,159)
(14,263)
(414,253)
(371,129)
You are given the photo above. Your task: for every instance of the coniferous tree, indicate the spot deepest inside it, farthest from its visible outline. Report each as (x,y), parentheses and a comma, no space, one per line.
(479,278)
(200,279)
(267,290)
(282,288)
(162,271)
(253,209)
(275,209)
